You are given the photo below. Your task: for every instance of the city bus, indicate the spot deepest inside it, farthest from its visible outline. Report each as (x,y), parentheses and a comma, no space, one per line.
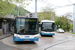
(26,29)
(47,27)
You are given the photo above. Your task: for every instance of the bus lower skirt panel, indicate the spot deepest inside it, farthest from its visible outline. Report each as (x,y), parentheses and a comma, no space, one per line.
(22,39)
(47,33)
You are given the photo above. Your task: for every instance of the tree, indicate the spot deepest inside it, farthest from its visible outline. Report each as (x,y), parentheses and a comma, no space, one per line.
(46,13)
(68,15)
(21,3)
(64,22)
(71,27)
(14,12)
(22,11)
(5,8)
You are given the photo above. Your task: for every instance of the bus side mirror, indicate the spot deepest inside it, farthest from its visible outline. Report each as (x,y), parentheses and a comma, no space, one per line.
(40,25)
(55,27)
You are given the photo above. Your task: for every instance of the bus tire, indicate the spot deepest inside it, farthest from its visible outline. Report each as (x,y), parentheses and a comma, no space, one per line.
(51,35)
(41,35)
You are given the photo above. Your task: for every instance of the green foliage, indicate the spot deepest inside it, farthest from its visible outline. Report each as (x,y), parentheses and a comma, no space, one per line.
(22,3)
(5,8)
(21,10)
(63,22)
(73,33)
(71,27)
(14,12)
(46,13)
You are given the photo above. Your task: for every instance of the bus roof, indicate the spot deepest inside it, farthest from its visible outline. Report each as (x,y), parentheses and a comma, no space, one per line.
(47,21)
(28,17)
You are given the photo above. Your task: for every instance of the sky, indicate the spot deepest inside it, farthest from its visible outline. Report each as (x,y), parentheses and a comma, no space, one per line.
(54,3)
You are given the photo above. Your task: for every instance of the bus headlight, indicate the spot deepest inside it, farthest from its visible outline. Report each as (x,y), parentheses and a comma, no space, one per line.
(37,36)
(16,35)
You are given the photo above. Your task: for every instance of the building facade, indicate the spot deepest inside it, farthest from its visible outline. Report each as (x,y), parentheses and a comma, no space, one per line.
(30,15)
(6,23)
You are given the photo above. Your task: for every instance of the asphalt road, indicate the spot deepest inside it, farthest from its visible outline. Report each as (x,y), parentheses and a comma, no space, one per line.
(44,43)
(6,47)
(69,45)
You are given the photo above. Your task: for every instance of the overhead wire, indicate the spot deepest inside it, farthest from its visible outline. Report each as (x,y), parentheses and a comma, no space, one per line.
(70,1)
(47,3)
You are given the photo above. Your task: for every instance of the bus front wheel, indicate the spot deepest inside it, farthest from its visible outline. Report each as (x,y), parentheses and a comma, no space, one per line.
(51,36)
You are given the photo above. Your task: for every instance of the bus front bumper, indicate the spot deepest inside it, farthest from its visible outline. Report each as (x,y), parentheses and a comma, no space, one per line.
(42,33)
(25,39)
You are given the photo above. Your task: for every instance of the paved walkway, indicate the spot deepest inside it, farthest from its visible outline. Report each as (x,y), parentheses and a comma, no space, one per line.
(5,35)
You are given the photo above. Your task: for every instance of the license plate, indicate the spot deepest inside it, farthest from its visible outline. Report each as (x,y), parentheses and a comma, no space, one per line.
(26,40)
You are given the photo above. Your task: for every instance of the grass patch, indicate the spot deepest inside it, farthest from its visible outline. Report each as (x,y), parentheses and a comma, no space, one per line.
(73,33)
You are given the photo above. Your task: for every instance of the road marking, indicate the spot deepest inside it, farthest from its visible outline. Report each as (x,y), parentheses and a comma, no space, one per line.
(49,45)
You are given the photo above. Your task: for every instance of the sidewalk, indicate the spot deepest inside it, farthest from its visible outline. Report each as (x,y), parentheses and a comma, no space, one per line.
(5,35)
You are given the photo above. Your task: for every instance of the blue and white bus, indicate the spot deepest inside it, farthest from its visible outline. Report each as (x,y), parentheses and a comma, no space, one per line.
(47,27)
(26,29)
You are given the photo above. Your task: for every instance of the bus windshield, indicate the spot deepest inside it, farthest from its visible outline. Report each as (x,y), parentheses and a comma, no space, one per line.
(26,25)
(47,26)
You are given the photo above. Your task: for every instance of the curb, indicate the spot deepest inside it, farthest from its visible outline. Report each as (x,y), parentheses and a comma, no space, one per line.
(5,36)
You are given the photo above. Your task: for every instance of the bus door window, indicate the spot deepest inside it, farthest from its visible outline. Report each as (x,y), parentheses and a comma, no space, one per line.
(22,25)
(26,27)
(18,25)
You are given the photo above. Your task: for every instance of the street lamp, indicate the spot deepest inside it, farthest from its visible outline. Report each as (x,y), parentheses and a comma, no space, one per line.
(35,8)
(18,8)
(73,18)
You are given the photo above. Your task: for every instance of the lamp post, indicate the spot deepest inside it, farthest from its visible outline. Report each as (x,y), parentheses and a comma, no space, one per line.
(35,8)
(74,18)
(18,9)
